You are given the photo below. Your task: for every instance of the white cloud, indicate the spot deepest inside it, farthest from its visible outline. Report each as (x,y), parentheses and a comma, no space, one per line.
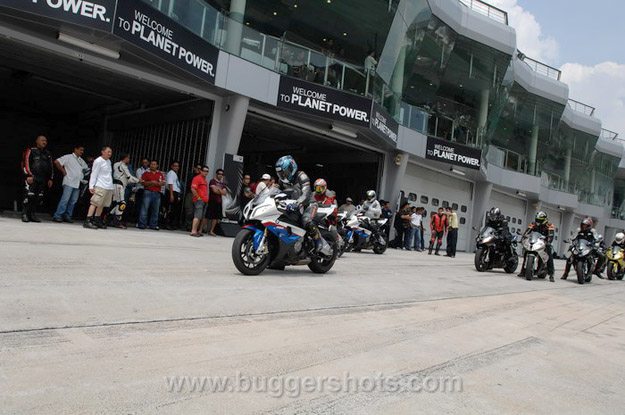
(601,86)
(530,38)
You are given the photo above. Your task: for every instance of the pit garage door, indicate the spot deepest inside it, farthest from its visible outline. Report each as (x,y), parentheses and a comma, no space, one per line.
(555,217)
(432,189)
(513,208)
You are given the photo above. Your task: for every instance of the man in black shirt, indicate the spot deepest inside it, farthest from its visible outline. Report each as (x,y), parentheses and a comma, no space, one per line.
(38,174)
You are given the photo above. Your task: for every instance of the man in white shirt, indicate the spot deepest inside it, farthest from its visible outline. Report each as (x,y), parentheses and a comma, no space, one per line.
(73,168)
(415,223)
(101,188)
(263,183)
(172,196)
(121,179)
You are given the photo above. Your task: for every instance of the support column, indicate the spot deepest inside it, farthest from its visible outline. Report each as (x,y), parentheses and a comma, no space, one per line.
(481,205)
(567,166)
(482,117)
(568,226)
(533,150)
(235,26)
(227,127)
(397,81)
(395,165)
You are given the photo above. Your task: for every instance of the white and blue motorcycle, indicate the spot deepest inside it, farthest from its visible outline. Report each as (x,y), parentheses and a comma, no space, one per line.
(272,236)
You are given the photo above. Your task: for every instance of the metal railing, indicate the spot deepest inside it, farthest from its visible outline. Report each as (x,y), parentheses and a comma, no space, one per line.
(608,135)
(541,68)
(487,10)
(581,107)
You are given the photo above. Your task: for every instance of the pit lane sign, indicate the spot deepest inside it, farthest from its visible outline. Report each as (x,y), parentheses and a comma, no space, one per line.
(383,124)
(96,14)
(154,32)
(313,99)
(453,153)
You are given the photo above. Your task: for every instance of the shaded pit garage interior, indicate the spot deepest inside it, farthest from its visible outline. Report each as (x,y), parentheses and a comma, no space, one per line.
(350,170)
(72,102)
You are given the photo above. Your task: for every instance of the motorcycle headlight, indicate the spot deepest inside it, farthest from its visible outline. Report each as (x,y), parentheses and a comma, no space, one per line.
(618,256)
(539,245)
(488,239)
(585,252)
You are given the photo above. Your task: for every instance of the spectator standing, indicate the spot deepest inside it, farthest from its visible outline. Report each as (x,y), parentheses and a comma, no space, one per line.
(407,227)
(438,225)
(347,207)
(38,175)
(452,232)
(217,189)
(139,189)
(101,188)
(121,178)
(416,221)
(246,191)
(173,196)
(199,190)
(264,182)
(387,213)
(153,181)
(73,168)
(424,215)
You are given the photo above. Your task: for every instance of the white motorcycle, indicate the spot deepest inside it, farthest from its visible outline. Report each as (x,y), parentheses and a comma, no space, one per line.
(272,236)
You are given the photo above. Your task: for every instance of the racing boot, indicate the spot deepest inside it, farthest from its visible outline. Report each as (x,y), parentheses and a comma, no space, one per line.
(430,249)
(323,247)
(25,218)
(551,278)
(438,247)
(33,218)
(567,268)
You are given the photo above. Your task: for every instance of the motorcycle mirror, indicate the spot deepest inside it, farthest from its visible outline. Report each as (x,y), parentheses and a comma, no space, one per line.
(474,228)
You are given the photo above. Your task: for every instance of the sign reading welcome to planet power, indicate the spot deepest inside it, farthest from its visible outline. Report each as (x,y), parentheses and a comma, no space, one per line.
(97,14)
(452,153)
(150,30)
(318,100)
(383,124)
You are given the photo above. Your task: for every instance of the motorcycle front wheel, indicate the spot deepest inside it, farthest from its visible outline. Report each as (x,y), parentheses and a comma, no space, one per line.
(379,248)
(529,267)
(511,265)
(244,257)
(612,270)
(581,268)
(480,259)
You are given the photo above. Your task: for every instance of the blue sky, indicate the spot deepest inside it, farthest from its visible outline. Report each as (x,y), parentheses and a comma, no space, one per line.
(587,31)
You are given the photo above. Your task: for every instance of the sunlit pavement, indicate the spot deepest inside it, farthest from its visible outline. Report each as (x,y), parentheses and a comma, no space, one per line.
(100,321)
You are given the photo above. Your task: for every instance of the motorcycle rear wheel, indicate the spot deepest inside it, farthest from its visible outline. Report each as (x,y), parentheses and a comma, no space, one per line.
(246,261)
(320,264)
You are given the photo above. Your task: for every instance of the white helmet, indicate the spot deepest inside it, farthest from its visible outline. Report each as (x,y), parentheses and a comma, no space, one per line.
(619,237)
(370,195)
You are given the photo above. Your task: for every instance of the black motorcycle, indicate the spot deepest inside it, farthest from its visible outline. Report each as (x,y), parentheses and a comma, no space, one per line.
(493,251)
(582,259)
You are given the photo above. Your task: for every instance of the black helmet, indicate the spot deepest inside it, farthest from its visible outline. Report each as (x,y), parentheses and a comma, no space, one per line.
(541,218)
(494,213)
(586,224)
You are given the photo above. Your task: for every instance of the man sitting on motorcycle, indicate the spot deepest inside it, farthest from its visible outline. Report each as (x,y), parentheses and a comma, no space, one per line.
(541,225)
(372,208)
(496,220)
(322,195)
(587,232)
(299,184)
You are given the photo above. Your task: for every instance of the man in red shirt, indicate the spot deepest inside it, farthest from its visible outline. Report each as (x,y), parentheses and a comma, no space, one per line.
(153,181)
(438,226)
(199,189)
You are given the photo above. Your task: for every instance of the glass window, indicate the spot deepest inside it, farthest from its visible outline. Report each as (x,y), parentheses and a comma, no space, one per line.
(435,202)
(513,220)
(520,222)
(463,221)
(424,200)
(463,209)
(412,197)
(445,203)
(454,206)
(508,218)
(513,230)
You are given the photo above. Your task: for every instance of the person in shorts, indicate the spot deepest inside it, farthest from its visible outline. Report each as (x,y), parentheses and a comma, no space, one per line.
(101,188)
(217,188)
(199,189)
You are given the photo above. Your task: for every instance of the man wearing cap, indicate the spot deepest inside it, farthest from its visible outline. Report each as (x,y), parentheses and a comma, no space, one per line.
(347,207)
(263,183)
